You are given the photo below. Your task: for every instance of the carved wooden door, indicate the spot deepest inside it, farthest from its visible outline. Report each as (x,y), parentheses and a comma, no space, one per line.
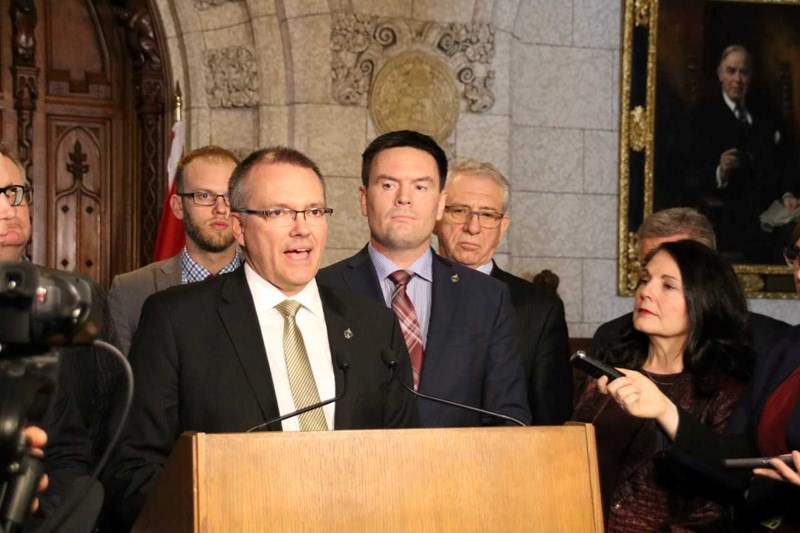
(75,104)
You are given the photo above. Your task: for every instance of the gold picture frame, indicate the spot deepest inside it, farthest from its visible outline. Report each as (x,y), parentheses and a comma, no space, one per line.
(688,48)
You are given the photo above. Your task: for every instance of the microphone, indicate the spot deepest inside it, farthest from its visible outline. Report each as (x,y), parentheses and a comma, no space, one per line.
(344,366)
(19,493)
(388,358)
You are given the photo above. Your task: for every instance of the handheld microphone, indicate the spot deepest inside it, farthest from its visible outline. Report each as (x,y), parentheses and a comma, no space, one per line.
(344,366)
(388,358)
(19,494)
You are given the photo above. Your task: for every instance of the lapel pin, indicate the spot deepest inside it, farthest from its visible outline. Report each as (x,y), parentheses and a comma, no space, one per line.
(454,278)
(348,333)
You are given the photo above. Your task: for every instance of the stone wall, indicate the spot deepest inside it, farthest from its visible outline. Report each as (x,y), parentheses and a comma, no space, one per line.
(261,72)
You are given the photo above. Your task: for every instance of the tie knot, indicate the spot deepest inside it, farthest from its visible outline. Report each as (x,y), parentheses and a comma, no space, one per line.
(288,308)
(401,277)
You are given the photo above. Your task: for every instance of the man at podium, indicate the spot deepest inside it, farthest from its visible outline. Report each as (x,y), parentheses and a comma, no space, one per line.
(242,349)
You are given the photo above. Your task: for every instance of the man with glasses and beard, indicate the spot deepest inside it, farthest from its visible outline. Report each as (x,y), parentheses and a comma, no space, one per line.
(201,202)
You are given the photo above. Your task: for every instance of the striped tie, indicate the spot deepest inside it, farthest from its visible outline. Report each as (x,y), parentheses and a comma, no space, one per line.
(407,316)
(301,380)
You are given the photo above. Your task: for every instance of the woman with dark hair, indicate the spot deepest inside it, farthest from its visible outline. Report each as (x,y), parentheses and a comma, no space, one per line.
(688,336)
(767,423)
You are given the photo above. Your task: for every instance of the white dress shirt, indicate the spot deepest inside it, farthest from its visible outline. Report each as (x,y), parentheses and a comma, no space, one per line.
(310,319)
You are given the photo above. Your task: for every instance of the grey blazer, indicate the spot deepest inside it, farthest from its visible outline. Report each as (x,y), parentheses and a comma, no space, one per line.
(130,290)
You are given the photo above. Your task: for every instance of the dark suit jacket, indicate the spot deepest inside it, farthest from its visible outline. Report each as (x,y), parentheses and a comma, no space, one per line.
(763,330)
(544,343)
(129,291)
(765,497)
(199,364)
(649,492)
(471,354)
(765,173)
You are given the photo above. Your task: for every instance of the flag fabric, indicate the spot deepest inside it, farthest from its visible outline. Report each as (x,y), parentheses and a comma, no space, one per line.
(170,237)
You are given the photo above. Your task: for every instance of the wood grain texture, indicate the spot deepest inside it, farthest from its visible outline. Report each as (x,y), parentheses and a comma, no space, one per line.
(460,479)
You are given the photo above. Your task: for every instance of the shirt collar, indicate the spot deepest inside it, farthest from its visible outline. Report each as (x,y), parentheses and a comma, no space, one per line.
(730,103)
(422,267)
(267,296)
(192,271)
(487,267)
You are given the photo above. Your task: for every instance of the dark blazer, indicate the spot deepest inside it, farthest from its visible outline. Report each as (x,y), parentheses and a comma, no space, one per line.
(764,330)
(765,173)
(653,493)
(544,344)
(471,354)
(129,291)
(761,173)
(199,364)
(765,497)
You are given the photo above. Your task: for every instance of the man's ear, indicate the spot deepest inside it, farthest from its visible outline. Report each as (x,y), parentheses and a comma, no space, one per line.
(177,206)
(237,228)
(504,225)
(442,203)
(362,199)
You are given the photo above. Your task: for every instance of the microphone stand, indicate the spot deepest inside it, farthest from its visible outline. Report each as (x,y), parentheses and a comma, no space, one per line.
(391,362)
(344,366)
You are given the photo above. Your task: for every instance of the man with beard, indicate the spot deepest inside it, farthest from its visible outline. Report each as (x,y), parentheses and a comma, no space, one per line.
(202,203)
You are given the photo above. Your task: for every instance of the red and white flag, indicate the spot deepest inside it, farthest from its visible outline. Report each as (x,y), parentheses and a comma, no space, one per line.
(170,237)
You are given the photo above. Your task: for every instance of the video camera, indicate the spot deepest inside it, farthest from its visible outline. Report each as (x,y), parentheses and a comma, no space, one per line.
(44,308)
(40,310)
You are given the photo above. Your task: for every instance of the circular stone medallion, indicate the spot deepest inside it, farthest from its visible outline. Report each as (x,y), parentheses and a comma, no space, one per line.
(415,91)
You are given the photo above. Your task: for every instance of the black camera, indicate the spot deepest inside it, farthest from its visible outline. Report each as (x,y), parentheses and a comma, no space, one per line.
(44,308)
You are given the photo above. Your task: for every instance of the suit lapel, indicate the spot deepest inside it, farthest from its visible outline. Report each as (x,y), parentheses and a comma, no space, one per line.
(445,298)
(169,274)
(360,276)
(339,334)
(238,314)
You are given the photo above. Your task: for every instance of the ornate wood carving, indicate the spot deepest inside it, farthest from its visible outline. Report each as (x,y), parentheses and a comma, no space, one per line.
(23,25)
(150,106)
(25,95)
(136,18)
(25,75)
(79,190)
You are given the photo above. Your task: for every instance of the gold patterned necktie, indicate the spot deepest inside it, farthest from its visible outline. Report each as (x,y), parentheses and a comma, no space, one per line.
(301,379)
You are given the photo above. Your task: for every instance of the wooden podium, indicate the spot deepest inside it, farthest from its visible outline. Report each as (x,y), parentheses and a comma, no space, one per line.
(415,480)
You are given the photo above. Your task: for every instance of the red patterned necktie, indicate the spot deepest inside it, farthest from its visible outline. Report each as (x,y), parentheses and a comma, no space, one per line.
(409,325)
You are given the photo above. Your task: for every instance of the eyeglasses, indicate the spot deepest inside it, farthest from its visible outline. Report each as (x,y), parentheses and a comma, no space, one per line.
(204,197)
(459,214)
(283,217)
(790,255)
(17,194)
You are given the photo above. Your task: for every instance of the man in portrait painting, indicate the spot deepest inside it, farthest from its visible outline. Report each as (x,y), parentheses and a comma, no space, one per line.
(742,163)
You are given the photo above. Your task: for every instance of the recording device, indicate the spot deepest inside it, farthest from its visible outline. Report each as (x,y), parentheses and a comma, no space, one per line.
(756,462)
(344,366)
(390,361)
(39,310)
(593,367)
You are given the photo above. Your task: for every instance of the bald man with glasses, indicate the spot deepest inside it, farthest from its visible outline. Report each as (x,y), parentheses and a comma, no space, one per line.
(202,204)
(238,351)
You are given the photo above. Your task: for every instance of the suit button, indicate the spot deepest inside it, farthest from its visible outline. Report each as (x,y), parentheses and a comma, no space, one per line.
(617,506)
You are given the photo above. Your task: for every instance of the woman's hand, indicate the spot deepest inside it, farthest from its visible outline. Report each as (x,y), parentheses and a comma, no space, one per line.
(639,396)
(780,471)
